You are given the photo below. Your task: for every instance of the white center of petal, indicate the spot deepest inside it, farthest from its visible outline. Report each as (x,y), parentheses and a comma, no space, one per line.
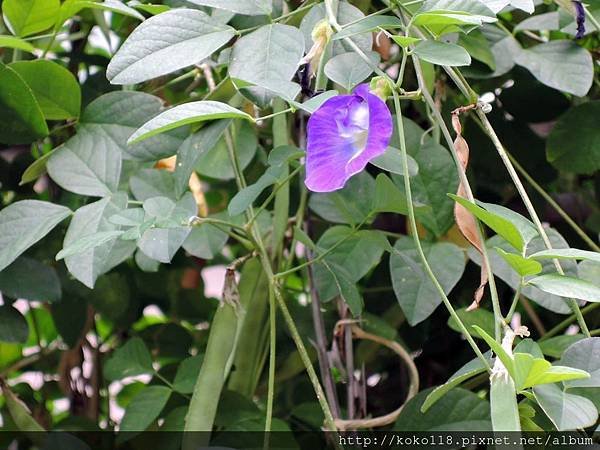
(353,126)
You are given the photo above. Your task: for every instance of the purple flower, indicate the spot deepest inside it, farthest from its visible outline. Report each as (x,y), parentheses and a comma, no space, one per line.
(344,134)
(580,18)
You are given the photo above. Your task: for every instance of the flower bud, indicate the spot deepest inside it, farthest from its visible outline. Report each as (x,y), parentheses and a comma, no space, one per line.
(321,35)
(381,87)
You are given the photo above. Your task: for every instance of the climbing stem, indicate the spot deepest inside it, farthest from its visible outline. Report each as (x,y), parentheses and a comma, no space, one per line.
(499,320)
(415,233)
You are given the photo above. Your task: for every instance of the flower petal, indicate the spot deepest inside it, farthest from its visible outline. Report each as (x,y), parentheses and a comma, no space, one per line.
(380,131)
(328,151)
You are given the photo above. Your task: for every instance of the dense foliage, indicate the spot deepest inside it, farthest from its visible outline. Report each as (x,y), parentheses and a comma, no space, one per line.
(163,265)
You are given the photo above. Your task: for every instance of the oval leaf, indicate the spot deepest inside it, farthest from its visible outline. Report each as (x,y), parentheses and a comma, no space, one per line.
(187,36)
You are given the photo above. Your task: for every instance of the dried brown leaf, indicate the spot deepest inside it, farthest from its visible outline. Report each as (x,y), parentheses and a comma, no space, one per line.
(464,219)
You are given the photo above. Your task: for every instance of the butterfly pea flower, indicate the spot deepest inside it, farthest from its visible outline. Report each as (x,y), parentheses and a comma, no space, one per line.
(344,134)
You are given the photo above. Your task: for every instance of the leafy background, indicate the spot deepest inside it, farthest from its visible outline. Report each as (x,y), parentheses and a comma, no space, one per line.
(121,211)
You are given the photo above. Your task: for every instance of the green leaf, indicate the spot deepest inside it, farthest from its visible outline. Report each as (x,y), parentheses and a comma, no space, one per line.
(392,161)
(358,253)
(36,169)
(499,224)
(70,315)
(437,175)
(442,53)
(503,404)
(268,58)
(574,142)
(355,254)
(215,162)
(346,14)
(344,286)
(458,410)
(128,217)
(523,266)
(22,417)
(247,7)
(349,69)
(444,19)
(472,7)
(88,242)
(27,17)
(314,103)
(131,359)
(112,298)
(529,346)
(187,373)
(90,162)
(107,5)
(532,371)
(143,410)
(84,166)
(31,280)
(388,198)
(162,242)
(284,154)
(480,317)
(566,411)
(506,359)
(560,64)
(567,253)
(555,346)
(87,221)
(151,8)
(446,16)
(368,24)
(24,223)
(192,150)
(565,286)
(21,119)
(7,41)
(469,370)
(508,275)
(54,87)
(585,355)
(416,293)
(145,263)
(185,114)
(351,205)
(205,241)
(13,326)
(148,183)
(143,57)
(245,197)
(478,47)
(540,22)
(497,5)
(526,228)
(405,41)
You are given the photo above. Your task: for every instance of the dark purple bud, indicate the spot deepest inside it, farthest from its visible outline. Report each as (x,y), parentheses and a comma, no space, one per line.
(580,18)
